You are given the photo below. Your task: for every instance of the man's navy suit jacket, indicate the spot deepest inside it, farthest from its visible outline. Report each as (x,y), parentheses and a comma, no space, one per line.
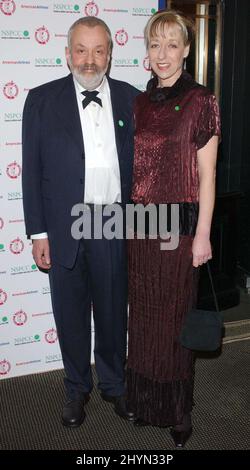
(53,159)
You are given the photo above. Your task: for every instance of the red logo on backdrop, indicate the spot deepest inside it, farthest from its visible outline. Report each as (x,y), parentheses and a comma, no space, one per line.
(1,223)
(91,9)
(3,297)
(51,336)
(121,37)
(42,35)
(146,64)
(13,170)
(19,318)
(16,246)
(7,7)
(4,367)
(10,90)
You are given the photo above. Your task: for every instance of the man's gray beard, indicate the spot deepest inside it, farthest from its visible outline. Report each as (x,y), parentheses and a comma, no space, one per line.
(89,83)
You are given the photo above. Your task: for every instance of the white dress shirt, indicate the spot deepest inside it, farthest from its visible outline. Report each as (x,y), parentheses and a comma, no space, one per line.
(102,173)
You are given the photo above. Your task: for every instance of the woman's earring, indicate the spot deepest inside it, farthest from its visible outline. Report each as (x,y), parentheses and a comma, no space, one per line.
(184,63)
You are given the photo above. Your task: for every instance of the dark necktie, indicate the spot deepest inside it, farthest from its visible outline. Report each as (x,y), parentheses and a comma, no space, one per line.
(90,96)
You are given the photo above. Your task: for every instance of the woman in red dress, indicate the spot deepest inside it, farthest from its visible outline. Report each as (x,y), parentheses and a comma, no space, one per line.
(176,140)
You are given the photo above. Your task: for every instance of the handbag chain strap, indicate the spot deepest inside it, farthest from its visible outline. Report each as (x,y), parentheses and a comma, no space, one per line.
(212,286)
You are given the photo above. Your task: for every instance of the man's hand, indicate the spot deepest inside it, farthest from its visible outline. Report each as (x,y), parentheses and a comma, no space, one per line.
(40,252)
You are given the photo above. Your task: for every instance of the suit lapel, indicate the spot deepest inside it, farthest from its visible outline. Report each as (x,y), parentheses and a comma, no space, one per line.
(121,115)
(66,109)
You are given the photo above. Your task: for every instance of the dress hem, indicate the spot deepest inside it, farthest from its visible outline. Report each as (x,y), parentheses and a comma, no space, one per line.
(157,403)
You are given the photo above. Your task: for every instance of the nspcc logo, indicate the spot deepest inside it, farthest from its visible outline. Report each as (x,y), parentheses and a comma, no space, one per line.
(13,170)
(91,9)
(7,7)
(4,367)
(66,8)
(42,35)
(51,336)
(20,318)
(14,34)
(48,62)
(10,90)
(3,297)
(16,246)
(15,195)
(12,117)
(121,37)
(126,62)
(138,11)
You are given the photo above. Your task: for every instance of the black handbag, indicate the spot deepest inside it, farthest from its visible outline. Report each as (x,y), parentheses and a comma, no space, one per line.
(202,329)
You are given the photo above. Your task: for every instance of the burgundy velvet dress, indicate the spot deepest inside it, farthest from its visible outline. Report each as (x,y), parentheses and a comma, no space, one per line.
(171,125)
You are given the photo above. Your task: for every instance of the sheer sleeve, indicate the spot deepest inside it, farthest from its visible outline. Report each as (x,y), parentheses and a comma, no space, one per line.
(208,123)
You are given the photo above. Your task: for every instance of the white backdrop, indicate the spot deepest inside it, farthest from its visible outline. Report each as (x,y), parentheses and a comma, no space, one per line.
(33,38)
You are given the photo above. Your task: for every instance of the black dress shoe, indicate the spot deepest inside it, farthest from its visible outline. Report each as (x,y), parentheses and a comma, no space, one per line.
(120,406)
(73,413)
(180,437)
(138,422)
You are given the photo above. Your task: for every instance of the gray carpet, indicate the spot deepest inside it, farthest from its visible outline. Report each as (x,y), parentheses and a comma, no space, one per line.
(31,408)
(241,311)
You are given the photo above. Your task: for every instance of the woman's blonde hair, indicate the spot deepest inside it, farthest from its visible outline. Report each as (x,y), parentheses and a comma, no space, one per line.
(160,19)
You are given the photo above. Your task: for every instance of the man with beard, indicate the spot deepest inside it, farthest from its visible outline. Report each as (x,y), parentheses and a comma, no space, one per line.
(78,147)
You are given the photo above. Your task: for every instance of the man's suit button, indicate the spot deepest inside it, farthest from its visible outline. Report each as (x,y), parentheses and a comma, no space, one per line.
(81,180)
(82,155)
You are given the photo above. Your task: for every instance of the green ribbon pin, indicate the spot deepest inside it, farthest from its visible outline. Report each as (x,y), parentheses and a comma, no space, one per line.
(120,123)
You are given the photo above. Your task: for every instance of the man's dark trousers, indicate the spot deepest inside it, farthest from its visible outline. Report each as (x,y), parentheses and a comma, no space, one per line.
(98,278)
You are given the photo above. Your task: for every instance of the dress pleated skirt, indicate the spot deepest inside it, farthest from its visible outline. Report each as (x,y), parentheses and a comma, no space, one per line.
(162,289)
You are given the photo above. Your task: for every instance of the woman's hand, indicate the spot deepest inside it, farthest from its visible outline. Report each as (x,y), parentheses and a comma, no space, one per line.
(201,250)
(206,156)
